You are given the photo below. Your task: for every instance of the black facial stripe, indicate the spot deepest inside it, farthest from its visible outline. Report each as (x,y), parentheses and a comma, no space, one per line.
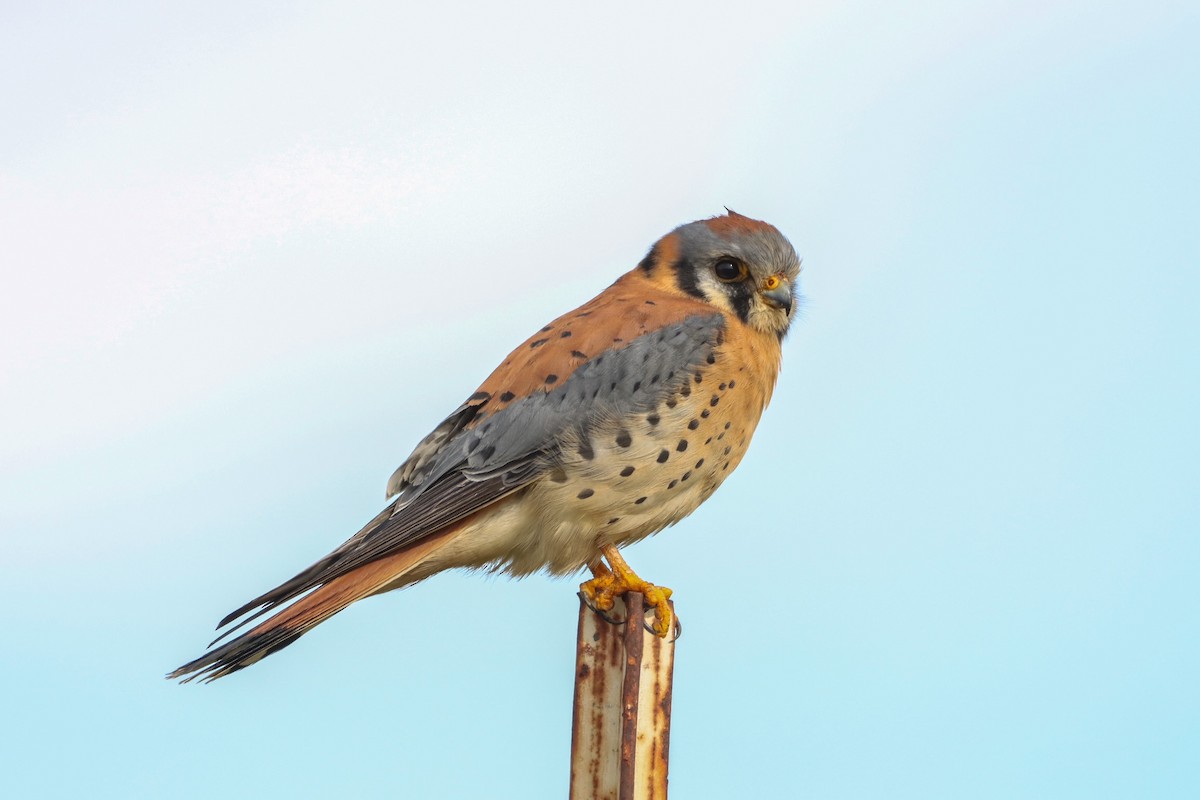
(650,261)
(741,295)
(685,277)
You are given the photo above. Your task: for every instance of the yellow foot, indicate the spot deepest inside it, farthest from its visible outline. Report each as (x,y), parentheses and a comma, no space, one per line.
(601,591)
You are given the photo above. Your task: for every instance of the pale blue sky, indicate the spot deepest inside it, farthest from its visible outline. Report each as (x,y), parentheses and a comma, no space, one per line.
(253,252)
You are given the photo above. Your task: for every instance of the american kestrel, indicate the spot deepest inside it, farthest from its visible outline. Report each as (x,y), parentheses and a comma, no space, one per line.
(609,424)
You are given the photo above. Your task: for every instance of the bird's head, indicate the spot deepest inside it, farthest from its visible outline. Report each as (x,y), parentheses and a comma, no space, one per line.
(741,265)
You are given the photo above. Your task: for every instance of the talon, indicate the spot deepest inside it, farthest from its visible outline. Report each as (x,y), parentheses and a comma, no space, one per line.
(600,592)
(649,626)
(601,613)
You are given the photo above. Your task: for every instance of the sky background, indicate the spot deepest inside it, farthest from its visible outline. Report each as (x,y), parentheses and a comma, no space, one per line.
(251,253)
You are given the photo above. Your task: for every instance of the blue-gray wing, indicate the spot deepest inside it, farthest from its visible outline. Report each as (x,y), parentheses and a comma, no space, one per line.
(477,456)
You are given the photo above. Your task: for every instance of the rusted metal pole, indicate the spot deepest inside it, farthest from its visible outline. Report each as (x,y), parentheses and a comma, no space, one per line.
(621,723)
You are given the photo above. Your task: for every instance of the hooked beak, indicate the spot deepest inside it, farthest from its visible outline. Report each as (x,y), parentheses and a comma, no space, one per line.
(777,292)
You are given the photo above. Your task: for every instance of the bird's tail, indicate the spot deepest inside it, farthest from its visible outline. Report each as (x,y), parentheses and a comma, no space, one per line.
(289,624)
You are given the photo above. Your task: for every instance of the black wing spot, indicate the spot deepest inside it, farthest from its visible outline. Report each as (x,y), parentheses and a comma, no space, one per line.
(578,354)
(651,303)
(637,386)
(479,397)
(537,343)
(565,335)
(547,328)
(559,475)
(487,452)
(507,396)
(551,379)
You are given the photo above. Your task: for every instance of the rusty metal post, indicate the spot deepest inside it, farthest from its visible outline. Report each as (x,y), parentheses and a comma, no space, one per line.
(621,723)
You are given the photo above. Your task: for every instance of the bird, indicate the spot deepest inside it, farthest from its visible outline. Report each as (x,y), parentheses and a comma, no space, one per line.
(609,424)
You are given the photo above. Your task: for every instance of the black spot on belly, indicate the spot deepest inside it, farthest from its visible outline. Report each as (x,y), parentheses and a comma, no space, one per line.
(663,456)
(693,425)
(705,414)
(653,419)
(614,519)
(578,354)
(558,475)
(625,473)
(639,501)
(565,334)
(585,494)
(671,485)
(507,396)
(624,439)
(682,445)
(537,343)
(727,424)
(479,396)
(551,379)
(721,387)
(712,359)
(586,451)
(700,463)
(714,400)
(686,475)
(732,384)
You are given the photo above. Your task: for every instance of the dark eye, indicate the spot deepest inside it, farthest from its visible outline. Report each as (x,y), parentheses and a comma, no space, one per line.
(730,270)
